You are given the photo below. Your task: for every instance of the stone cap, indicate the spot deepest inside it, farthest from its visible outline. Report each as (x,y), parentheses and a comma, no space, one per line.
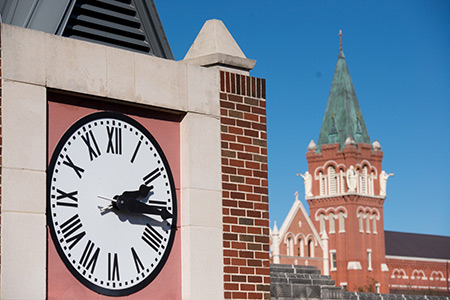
(215,46)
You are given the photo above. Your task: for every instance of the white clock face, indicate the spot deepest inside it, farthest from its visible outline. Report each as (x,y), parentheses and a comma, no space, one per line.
(111,203)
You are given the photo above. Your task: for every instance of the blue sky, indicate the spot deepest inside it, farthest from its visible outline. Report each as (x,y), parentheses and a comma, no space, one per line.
(398,54)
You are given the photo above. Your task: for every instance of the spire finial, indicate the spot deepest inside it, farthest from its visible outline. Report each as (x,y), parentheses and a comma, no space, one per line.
(340,40)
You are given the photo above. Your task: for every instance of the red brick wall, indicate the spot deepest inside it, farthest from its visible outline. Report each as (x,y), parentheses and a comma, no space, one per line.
(426,276)
(352,203)
(245,187)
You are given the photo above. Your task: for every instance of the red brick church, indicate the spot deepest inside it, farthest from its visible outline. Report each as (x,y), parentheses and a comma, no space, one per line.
(345,187)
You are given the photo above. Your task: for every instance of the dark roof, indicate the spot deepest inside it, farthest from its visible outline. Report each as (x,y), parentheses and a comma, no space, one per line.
(343,117)
(417,245)
(128,24)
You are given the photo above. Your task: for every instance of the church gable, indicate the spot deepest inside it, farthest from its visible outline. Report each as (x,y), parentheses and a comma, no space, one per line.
(299,241)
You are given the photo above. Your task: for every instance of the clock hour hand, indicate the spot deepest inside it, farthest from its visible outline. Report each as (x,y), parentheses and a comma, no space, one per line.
(141,193)
(131,205)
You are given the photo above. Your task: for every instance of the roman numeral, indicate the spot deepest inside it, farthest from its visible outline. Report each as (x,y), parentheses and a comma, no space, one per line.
(68,162)
(136,151)
(113,267)
(152,176)
(152,237)
(70,196)
(157,202)
(114,140)
(88,138)
(68,229)
(137,261)
(87,260)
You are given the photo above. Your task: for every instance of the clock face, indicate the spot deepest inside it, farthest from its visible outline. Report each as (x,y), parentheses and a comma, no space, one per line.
(111,203)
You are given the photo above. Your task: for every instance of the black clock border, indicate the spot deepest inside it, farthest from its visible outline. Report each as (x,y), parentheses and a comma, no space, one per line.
(50,169)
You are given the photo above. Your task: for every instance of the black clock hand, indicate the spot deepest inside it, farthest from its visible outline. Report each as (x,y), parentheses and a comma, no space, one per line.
(135,206)
(141,193)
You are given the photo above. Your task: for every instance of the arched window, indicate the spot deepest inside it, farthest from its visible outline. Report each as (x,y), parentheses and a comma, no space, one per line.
(363,180)
(290,246)
(374,223)
(342,181)
(322,222)
(332,224)
(332,180)
(371,177)
(323,184)
(311,248)
(367,217)
(300,251)
(341,222)
(360,221)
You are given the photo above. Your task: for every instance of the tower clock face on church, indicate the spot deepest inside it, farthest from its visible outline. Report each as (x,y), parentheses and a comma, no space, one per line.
(111,203)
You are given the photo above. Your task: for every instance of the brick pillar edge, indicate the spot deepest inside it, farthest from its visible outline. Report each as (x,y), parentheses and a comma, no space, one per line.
(245,187)
(1,147)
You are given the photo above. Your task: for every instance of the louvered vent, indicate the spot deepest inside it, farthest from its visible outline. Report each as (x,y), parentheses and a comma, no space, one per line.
(332,180)
(112,22)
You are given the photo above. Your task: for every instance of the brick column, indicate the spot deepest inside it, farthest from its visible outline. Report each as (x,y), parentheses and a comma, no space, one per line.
(245,187)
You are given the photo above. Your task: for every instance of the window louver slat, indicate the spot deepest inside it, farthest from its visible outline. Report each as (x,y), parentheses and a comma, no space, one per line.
(111,22)
(111,44)
(109,26)
(115,5)
(112,38)
(106,14)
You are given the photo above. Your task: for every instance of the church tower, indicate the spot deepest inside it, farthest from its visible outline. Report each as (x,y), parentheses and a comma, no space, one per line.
(345,189)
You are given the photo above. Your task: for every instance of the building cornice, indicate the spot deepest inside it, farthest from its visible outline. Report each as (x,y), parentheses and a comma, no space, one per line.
(418,258)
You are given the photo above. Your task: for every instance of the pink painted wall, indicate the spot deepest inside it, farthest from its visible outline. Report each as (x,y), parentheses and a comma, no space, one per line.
(63,111)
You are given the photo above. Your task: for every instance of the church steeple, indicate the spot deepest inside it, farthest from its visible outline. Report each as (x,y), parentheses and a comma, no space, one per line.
(343,117)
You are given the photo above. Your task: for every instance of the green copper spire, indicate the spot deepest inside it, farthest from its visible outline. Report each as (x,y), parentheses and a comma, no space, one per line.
(343,117)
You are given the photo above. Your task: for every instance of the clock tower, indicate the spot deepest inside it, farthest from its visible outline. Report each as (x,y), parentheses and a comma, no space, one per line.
(346,189)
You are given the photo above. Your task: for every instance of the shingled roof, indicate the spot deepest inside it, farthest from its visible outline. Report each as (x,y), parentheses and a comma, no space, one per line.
(417,245)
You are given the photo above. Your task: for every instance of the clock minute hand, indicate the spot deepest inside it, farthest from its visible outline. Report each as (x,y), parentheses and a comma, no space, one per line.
(139,207)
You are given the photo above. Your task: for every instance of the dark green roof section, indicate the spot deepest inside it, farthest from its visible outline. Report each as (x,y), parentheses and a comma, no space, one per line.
(343,117)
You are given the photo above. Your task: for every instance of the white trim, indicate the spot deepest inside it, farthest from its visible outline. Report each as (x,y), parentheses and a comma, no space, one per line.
(345,194)
(333,251)
(369,261)
(334,210)
(368,210)
(298,205)
(399,286)
(328,162)
(289,218)
(417,258)
(289,234)
(354,265)
(384,268)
